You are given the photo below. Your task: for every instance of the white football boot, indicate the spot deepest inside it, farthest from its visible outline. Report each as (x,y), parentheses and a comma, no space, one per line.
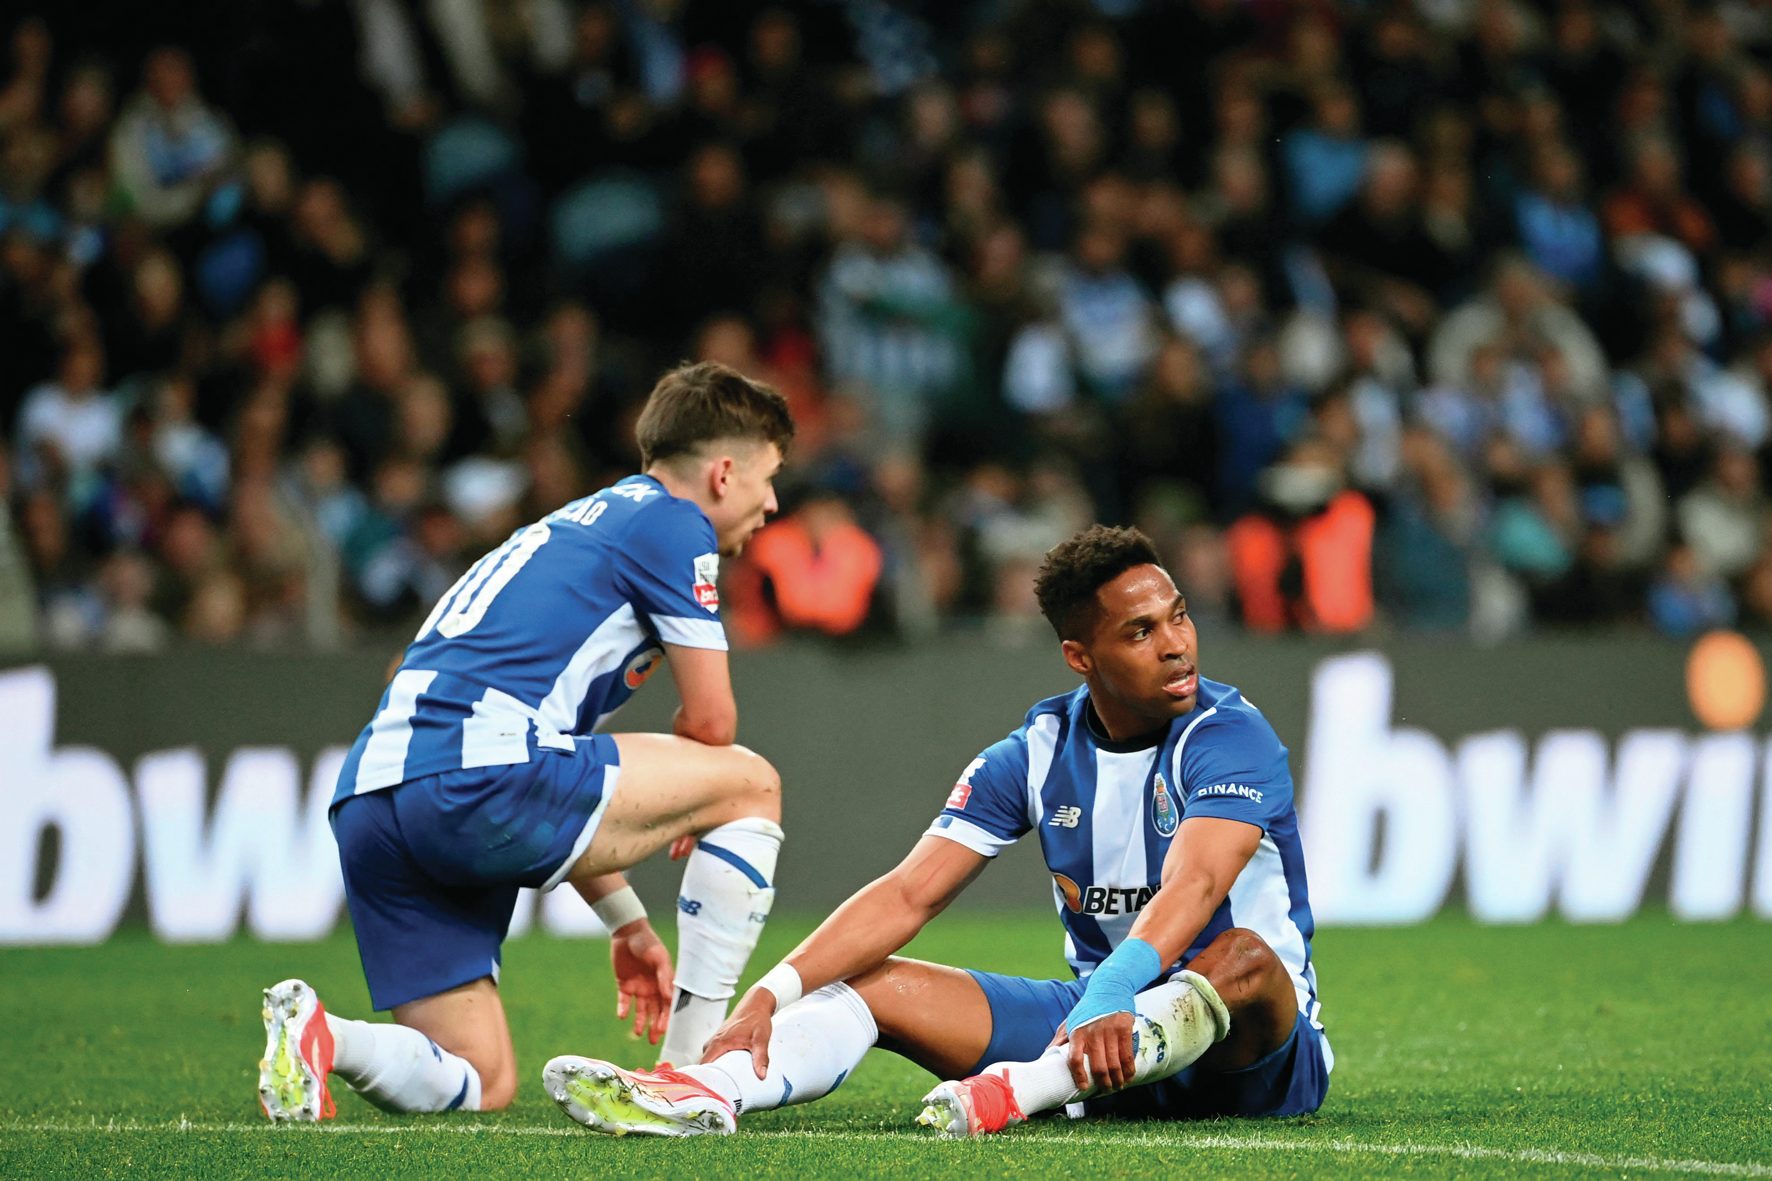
(976,1106)
(661,1102)
(298,1055)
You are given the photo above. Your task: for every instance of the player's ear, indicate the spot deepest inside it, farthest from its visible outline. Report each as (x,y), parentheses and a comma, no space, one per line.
(720,476)
(1076,656)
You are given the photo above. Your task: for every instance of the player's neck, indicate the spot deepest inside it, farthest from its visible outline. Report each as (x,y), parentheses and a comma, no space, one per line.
(1124,734)
(676,484)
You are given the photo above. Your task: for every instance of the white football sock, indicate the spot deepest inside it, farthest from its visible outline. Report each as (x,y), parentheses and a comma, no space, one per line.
(817,1041)
(728,888)
(397,1068)
(1176,1022)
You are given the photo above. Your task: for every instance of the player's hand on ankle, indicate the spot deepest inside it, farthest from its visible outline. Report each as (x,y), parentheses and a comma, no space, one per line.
(749,1028)
(643,978)
(682,847)
(1101,1053)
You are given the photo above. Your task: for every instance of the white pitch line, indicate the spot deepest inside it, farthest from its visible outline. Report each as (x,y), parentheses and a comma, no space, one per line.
(1187,1140)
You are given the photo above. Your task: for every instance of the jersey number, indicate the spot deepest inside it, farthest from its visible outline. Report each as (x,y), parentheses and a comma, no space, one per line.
(466,604)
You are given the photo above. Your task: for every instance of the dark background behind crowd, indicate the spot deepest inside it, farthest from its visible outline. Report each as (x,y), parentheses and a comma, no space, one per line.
(1451,316)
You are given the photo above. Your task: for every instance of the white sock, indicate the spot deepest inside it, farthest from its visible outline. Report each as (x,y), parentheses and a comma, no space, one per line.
(728,888)
(817,1041)
(397,1068)
(1176,1022)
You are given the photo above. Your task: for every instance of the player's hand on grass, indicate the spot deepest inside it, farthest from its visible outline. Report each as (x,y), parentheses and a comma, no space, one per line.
(1101,1053)
(643,979)
(748,1028)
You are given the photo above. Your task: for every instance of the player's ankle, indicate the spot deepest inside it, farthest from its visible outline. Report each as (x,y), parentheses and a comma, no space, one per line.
(717,1079)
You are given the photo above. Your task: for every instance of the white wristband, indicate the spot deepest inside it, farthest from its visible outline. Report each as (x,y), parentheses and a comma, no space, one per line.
(617,910)
(783,984)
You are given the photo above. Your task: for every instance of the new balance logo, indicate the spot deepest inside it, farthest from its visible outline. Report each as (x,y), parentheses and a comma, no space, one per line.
(688,906)
(1068,816)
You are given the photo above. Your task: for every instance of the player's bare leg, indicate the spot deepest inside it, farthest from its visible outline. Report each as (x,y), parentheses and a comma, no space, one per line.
(1256,989)
(671,787)
(446,1052)
(730,798)
(469,1022)
(1232,1007)
(935,1015)
(453,1050)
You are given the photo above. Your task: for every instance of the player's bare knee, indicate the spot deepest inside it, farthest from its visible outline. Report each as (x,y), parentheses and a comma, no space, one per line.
(762,787)
(886,993)
(1239,961)
(1248,948)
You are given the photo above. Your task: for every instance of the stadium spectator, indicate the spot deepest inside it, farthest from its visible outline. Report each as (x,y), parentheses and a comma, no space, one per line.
(127,581)
(18,595)
(1302,560)
(1326,159)
(1508,268)
(1684,600)
(1259,413)
(813,570)
(1378,249)
(68,428)
(1171,434)
(1653,200)
(1724,517)
(1520,317)
(170,149)
(1425,544)
(717,236)
(1558,232)
(1106,314)
(886,311)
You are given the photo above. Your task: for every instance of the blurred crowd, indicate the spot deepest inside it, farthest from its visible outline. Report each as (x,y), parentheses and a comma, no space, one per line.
(1448,316)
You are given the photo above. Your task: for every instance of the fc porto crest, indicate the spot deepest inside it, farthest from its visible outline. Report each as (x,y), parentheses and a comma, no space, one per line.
(1165,816)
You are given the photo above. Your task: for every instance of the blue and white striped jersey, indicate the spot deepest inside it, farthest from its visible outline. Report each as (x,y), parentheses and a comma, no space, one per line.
(545,637)
(1106,813)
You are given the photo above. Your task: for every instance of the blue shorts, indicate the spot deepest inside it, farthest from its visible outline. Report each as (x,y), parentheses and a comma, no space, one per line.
(432,867)
(1292,1080)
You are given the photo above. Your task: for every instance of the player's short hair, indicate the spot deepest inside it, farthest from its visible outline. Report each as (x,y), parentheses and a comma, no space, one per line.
(1076,568)
(697,403)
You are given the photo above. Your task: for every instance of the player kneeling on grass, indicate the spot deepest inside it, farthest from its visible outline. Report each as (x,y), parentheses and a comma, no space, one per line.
(1164,808)
(479,774)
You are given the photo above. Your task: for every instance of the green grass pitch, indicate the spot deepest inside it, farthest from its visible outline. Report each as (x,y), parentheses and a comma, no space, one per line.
(1547,1051)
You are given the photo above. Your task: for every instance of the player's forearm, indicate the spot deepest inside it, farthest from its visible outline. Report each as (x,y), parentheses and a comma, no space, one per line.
(593,890)
(858,937)
(1165,929)
(710,728)
(1177,914)
(879,919)
(613,900)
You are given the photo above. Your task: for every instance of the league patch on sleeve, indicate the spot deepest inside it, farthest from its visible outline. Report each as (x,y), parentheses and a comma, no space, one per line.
(707,570)
(963,790)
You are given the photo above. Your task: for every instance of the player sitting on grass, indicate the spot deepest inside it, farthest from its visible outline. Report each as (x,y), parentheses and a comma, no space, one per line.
(479,774)
(1164,809)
